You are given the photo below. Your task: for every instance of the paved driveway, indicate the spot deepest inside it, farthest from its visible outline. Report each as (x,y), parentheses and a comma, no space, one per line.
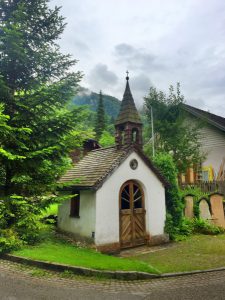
(17,283)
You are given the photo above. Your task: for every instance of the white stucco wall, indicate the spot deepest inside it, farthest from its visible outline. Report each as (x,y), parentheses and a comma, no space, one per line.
(213,144)
(107,201)
(83,226)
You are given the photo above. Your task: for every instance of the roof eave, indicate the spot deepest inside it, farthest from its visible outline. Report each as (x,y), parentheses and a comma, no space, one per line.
(76,187)
(155,170)
(136,149)
(197,114)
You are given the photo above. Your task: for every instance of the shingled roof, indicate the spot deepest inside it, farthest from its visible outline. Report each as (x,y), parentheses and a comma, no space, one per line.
(128,111)
(212,119)
(97,165)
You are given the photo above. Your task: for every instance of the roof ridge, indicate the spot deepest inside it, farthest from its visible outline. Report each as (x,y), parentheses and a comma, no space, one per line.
(103,148)
(202,110)
(211,118)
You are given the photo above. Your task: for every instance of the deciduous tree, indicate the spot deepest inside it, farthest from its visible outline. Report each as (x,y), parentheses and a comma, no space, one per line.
(172,133)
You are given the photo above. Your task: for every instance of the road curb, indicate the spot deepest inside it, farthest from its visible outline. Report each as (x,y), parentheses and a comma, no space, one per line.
(121,275)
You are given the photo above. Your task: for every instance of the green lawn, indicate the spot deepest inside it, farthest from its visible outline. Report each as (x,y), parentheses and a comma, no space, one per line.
(62,252)
(196,253)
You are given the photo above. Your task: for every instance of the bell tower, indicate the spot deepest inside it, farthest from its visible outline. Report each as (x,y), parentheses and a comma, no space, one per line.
(128,124)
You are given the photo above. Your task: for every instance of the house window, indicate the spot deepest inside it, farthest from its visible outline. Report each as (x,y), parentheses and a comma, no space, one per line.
(75,206)
(205,175)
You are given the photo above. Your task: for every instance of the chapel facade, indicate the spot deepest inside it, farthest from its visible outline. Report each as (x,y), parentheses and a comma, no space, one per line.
(119,195)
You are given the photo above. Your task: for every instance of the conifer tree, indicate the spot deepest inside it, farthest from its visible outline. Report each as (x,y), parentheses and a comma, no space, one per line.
(100,123)
(35,86)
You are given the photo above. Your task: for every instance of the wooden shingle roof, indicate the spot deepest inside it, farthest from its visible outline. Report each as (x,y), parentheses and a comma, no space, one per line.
(91,171)
(128,111)
(93,167)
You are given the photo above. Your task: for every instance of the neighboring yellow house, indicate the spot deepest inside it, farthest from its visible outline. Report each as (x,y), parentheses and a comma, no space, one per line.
(212,145)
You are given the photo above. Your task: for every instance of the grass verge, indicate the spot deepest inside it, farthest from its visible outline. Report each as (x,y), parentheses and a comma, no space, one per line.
(198,252)
(59,251)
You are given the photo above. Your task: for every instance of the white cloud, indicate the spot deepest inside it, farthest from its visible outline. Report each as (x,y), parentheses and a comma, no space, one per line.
(101,77)
(160,41)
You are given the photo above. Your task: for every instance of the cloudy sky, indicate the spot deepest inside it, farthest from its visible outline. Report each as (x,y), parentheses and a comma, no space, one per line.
(160,42)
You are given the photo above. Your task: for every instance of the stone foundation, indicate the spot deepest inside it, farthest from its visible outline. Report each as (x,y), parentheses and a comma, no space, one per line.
(109,248)
(158,239)
(76,237)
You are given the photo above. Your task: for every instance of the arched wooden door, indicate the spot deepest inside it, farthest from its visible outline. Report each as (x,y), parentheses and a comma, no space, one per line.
(132,215)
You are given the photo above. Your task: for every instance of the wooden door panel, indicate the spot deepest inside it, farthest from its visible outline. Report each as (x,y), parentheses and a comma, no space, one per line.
(126,230)
(139,228)
(132,215)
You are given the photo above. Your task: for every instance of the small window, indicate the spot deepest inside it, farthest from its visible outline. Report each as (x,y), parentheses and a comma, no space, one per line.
(137,194)
(125,198)
(122,138)
(75,206)
(135,135)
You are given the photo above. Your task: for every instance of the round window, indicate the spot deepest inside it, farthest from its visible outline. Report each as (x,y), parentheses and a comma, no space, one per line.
(133,164)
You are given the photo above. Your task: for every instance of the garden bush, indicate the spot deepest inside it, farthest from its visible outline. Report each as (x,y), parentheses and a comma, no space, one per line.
(19,222)
(187,227)
(9,240)
(205,227)
(174,204)
(196,225)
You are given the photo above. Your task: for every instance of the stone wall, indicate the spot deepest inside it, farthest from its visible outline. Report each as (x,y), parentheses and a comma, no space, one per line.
(211,209)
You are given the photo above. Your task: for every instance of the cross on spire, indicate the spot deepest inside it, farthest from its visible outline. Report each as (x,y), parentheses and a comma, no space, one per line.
(127,78)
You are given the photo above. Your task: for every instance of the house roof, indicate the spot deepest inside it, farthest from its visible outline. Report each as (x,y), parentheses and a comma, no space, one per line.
(212,119)
(97,165)
(128,111)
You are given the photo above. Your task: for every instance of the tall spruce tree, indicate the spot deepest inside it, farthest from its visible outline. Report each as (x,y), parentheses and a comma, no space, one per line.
(100,123)
(35,86)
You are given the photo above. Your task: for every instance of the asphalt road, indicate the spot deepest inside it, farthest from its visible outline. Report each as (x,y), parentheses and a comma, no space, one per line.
(21,284)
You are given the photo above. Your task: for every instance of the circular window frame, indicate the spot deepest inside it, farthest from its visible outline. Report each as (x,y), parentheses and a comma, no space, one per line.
(133,164)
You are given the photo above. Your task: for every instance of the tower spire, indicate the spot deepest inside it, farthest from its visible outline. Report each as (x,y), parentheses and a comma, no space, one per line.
(128,111)
(128,124)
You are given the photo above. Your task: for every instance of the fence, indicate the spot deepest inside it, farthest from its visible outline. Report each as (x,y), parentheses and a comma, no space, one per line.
(207,186)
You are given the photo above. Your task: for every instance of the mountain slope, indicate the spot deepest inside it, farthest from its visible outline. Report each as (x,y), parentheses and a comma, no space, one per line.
(111,104)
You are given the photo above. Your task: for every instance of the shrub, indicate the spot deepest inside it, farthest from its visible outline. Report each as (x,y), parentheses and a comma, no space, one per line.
(187,227)
(205,227)
(174,205)
(9,240)
(195,225)
(19,222)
